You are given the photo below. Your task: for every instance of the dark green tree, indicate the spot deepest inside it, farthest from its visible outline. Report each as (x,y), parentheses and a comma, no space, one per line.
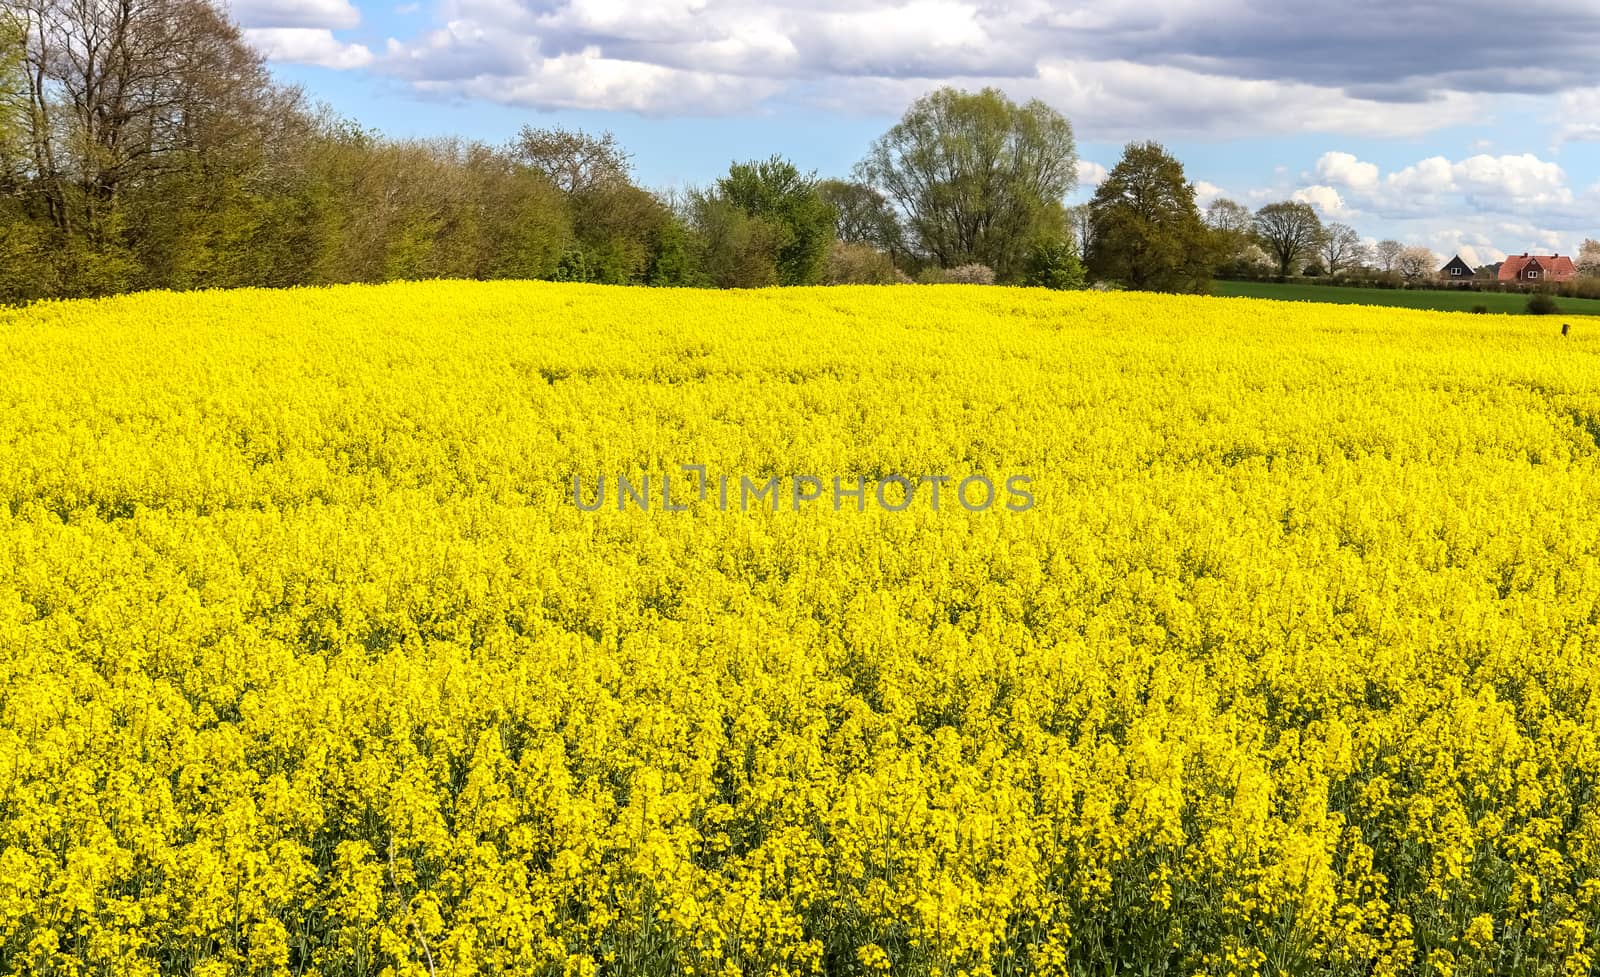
(1148,234)
(1054,263)
(673,259)
(862,215)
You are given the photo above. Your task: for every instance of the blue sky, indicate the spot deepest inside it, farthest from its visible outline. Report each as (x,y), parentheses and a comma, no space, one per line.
(1465,133)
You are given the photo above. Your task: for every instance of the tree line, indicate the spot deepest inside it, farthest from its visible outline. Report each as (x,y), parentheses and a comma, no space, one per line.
(143,145)
(1289,238)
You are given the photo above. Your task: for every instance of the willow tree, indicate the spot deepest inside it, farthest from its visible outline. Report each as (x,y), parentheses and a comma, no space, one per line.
(979,178)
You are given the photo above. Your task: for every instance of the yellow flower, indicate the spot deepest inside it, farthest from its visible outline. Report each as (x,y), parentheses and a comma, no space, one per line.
(310,663)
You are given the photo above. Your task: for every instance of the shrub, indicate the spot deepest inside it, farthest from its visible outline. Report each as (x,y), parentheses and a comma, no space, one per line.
(1542,303)
(858,264)
(973,274)
(1480,310)
(1582,288)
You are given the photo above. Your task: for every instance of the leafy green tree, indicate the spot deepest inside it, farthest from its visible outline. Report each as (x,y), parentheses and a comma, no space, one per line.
(799,222)
(1233,233)
(975,175)
(526,224)
(618,226)
(674,262)
(1148,234)
(737,249)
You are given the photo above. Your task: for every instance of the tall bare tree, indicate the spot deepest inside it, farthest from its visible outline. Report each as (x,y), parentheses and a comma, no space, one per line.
(1230,216)
(13,94)
(120,91)
(1387,253)
(1233,229)
(575,162)
(1080,221)
(1341,248)
(1289,231)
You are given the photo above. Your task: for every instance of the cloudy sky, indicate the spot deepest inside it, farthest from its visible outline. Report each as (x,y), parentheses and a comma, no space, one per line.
(1471,127)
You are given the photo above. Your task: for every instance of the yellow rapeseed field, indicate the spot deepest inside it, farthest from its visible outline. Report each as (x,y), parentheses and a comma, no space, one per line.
(1276,652)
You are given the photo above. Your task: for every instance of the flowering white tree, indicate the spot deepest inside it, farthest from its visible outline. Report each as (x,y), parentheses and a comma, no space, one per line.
(1414,264)
(1589,259)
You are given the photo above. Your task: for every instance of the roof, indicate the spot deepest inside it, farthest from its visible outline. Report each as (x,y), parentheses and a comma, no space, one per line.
(1557,266)
(1454,262)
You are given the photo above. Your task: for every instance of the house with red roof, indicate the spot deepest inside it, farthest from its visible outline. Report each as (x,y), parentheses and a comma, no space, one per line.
(1537,268)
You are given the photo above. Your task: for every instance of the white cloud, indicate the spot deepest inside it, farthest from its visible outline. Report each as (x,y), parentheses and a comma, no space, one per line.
(304,14)
(1475,248)
(1525,236)
(1325,199)
(1579,116)
(1345,170)
(1091,175)
(305,45)
(1522,182)
(1122,70)
(918,38)
(1480,240)
(1516,184)
(585,79)
(1427,178)
(1130,100)
(1206,192)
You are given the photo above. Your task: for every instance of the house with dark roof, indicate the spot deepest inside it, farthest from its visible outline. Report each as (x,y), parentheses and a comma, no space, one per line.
(1456,270)
(1538,268)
